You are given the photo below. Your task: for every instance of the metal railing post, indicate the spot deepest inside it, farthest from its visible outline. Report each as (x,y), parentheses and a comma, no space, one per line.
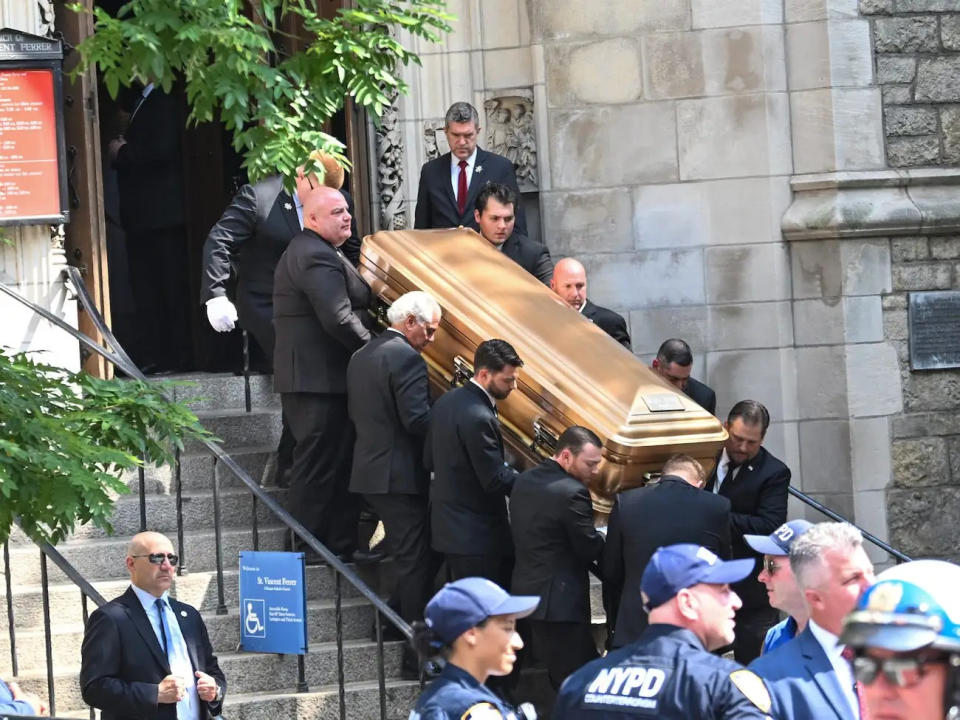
(218,539)
(381,672)
(178,481)
(10,610)
(338,620)
(47,636)
(141,476)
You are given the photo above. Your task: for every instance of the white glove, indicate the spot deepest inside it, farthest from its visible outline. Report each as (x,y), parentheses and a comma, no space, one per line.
(221,313)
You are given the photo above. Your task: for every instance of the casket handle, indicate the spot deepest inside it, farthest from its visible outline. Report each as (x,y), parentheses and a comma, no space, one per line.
(543,437)
(462,371)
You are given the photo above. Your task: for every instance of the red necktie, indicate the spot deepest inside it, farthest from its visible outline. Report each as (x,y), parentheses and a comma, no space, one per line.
(848,655)
(462,188)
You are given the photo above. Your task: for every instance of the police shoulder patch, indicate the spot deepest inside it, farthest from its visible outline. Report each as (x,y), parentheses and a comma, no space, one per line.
(753,688)
(482,711)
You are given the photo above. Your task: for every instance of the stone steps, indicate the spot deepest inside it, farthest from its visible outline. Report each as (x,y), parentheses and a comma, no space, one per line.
(196,471)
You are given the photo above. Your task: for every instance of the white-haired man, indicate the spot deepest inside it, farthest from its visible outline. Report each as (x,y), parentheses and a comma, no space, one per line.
(811,676)
(387,397)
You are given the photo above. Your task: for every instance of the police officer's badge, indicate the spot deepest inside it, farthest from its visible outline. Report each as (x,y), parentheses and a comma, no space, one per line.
(753,688)
(482,711)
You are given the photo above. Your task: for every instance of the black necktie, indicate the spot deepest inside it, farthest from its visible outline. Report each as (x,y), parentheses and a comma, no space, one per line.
(731,469)
(163,625)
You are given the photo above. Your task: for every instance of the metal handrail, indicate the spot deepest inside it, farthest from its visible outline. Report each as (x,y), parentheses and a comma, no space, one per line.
(121,360)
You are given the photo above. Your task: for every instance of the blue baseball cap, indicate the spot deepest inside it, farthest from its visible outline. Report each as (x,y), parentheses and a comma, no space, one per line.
(461,605)
(780,540)
(675,567)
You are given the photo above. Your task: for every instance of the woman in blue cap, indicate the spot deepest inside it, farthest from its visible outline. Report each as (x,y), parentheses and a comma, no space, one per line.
(473,623)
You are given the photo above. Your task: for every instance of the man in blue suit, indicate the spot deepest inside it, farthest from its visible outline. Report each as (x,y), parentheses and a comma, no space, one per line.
(811,676)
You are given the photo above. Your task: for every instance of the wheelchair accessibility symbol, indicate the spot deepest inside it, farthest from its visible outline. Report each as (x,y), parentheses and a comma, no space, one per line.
(253,618)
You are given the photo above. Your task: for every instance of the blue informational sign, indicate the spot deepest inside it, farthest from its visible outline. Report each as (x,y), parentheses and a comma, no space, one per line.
(273,603)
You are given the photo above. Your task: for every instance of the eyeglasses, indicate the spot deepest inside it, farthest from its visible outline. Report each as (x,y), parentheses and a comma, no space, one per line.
(158,558)
(899,671)
(771,567)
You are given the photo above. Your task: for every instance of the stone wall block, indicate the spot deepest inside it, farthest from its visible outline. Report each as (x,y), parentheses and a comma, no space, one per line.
(651,326)
(750,325)
(897,94)
(950,126)
(870,513)
(574,18)
(587,222)
(950,32)
(906,34)
(768,375)
(837,129)
(747,273)
(818,321)
(938,80)
(910,120)
(932,391)
(945,248)
(604,72)
(909,249)
(911,6)
(896,301)
(825,456)
(873,380)
(921,462)
(870,455)
(922,276)
(742,135)
(923,521)
(587,147)
(913,151)
(673,65)
(826,54)
(876,7)
(863,319)
(499,23)
(806,10)
(740,60)
(816,269)
(953,450)
(671,215)
(896,69)
(821,382)
(736,13)
(656,277)
(866,267)
(895,325)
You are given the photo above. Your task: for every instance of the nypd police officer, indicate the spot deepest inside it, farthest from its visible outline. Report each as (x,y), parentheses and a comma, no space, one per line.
(669,672)
(472,622)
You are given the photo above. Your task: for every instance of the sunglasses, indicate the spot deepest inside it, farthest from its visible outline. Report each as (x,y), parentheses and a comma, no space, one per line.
(771,567)
(899,671)
(158,558)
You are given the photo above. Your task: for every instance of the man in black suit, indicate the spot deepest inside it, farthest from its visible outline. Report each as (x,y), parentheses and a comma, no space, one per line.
(569,281)
(146,655)
(673,363)
(464,449)
(388,399)
(672,510)
(249,239)
(757,485)
(450,183)
(551,519)
(319,304)
(495,215)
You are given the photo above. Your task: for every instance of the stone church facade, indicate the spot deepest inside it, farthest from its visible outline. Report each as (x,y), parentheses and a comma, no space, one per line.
(768,179)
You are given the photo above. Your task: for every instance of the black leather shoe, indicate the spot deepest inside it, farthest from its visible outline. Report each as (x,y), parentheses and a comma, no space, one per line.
(365,557)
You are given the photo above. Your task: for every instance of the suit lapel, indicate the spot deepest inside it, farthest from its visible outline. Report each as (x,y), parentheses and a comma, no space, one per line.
(817,664)
(477,181)
(140,621)
(445,180)
(188,637)
(285,199)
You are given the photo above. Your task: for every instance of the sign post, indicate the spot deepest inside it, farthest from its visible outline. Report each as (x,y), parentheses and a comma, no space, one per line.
(273,603)
(33,173)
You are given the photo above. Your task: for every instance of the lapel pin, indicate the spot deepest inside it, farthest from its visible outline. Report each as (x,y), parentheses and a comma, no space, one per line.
(287,206)
(183,613)
(750,468)
(478,169)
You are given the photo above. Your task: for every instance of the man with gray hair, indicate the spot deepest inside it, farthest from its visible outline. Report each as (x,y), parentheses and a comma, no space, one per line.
(387,398)
(449,184)
(811,676)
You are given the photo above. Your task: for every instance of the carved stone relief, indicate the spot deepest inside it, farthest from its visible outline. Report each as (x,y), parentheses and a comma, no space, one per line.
(434,140)
(511,132)
(390,169)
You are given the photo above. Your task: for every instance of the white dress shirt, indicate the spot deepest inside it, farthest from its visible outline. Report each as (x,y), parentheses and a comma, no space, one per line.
(493,402)
(180,664)
(722,468)
(841,667)
(298,204)
(455,170)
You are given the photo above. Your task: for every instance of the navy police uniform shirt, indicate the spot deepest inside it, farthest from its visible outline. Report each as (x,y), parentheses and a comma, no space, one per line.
(456,695)
(665,674)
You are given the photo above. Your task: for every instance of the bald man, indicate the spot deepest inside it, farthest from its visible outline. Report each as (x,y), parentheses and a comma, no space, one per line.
(569,281)
(319,308)
(146,655)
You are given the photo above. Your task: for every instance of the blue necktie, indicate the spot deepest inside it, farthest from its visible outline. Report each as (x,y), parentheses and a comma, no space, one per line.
(163,625)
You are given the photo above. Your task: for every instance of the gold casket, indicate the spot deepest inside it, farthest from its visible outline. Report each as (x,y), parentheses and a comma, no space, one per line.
(573,373)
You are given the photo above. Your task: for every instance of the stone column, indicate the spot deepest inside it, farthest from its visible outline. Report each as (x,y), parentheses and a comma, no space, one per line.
(32,256)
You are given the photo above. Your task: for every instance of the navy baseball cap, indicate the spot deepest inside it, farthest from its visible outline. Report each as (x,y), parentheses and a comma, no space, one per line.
(461,605)
(675,567)
(780,540)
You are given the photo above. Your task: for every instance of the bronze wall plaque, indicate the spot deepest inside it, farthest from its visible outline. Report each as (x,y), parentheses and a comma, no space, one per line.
(934,319)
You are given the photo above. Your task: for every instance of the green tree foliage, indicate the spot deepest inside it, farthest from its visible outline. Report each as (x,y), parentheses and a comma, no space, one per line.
(66,438)
(230,56)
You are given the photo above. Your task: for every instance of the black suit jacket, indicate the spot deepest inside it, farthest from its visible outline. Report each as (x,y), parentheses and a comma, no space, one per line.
(464,449)
(669,511)
(250,236)
(610,322)
(387,396)
(122,662)
(555,542)
(758,500)
(702,395)
(319,310)
(530,255)
(437,203)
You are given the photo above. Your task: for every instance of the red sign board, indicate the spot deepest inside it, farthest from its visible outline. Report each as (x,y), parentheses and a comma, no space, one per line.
(29,170)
